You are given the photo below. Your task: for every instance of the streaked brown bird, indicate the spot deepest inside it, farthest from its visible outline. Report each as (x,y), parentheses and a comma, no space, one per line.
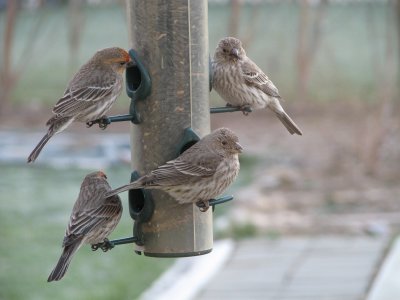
(199,174)
(89,95)
(240,82)
(92,220)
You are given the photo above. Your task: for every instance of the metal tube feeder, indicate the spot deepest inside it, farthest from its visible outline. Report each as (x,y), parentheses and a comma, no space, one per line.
(171,38)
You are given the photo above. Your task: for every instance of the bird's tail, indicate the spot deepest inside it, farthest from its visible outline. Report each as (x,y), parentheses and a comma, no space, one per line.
(133,185)
(56,125)
(288,122)
(35,153)
(63,263)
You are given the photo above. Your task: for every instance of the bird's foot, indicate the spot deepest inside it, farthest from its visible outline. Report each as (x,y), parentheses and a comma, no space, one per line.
(103,122)
(246,109)
(203,205)
(229,105)
(105,246)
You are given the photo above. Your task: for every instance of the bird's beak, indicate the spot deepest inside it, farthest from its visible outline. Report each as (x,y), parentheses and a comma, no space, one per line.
(238,147)
(235,53)
(102,174)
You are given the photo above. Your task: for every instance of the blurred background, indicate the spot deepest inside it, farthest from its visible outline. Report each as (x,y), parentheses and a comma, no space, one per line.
(336,64)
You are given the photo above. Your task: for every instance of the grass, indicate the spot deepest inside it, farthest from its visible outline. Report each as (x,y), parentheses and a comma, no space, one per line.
(35,205)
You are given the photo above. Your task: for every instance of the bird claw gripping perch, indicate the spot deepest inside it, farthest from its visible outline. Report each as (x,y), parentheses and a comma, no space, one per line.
(246,109)
(204,205)
(228,108)
(103,122)
(108,245)
(105,246)
(90,124)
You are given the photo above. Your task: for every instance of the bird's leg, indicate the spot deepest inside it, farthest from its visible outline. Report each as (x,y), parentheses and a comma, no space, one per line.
(203,205)
(90,124)
(246,109)
(103,122)
(105,246)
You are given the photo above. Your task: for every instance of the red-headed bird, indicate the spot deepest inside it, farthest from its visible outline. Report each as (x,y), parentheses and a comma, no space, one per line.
(89,95)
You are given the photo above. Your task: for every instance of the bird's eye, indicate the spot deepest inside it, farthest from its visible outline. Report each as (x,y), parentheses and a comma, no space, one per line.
(224,143)
(122,63)
(225,50)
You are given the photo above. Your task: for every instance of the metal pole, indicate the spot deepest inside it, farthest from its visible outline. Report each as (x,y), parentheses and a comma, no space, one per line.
(171,38)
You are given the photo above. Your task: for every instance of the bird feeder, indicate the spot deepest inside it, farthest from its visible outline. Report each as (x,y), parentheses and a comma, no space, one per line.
(172,40)
(169,86)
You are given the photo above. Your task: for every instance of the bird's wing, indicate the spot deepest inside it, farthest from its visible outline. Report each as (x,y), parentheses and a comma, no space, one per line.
(86,220)
(254,76)
(183,170)
(76,99)
(71,239)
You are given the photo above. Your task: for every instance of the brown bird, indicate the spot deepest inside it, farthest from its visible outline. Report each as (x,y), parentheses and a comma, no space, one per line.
(199,174)
(240,82)
(93,218)
(89,95)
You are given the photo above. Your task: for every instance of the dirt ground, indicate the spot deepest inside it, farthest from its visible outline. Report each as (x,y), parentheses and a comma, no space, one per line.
(318,182)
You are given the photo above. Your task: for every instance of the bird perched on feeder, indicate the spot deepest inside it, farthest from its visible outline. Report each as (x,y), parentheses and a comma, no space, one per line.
(199,174)
(240,82)
(92,220)
(89,95)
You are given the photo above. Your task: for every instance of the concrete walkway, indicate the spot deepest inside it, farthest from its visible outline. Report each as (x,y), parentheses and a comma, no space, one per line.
(386,285)
(294,268)
(320,268)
